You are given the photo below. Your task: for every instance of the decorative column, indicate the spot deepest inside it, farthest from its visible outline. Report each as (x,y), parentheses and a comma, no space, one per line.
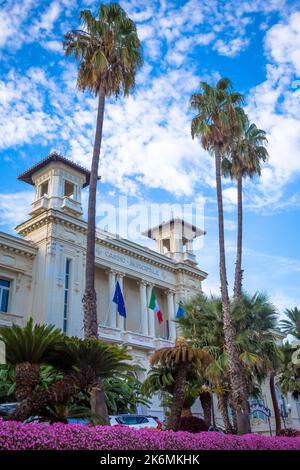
(151,314)
(171,315)
(143,308)
(120,319)
(111,317)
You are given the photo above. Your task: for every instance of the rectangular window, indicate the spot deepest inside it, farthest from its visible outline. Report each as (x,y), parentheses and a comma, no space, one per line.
(4,294)
(66,294)
(69,189)
(44,188)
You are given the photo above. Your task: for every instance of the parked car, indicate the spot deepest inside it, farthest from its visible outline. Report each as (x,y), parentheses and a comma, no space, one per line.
(7,409)
(136,421)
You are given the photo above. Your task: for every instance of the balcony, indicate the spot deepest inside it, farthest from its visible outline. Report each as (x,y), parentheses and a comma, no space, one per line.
(109,333)
(163,343)
(189,257)
(9,319)
(70,205)
(40,205)
(131,338)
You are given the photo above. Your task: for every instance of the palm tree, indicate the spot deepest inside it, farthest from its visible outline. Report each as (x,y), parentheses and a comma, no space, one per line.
(291,326)
(219,116)
(180,358)
(26,349)
(254,319)
(246,153)
(84,363)
(109,54)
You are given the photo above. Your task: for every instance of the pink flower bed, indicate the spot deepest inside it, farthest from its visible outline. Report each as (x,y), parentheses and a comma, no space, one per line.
(18,436)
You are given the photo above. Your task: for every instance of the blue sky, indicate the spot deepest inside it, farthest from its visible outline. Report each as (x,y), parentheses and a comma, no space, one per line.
(147,150)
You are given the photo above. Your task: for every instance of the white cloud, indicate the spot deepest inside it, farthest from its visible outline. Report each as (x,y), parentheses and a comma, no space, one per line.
(14,208)
(283,42)
(231,47)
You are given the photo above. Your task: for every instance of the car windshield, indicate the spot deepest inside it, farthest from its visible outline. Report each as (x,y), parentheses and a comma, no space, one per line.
(130,420)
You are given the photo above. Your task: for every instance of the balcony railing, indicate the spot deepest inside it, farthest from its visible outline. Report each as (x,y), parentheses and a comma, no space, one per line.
(137,339)
(110,334)
(9,319)
(71,205)
(39,205)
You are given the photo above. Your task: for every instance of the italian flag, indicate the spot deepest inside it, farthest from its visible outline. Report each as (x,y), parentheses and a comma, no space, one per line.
(153,305)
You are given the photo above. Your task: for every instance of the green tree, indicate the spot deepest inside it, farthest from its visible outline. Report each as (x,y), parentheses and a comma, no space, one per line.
(247,152)
(27,349)
(291,326)
(179,358)
(109,54)
(218,118)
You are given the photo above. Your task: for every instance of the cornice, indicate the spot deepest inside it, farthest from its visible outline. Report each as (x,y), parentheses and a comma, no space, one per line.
(110,241)
(16,245)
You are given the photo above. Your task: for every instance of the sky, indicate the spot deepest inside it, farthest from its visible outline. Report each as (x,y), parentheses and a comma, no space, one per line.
(148,154)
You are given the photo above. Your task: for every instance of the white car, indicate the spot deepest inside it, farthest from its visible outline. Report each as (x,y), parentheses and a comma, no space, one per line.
(135,421)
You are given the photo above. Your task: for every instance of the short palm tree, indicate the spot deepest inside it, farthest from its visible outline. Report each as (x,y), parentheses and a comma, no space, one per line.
(26,349)
(84,363)
(109,54)
(247,152)
(219,117)
(179,358)
(291,326)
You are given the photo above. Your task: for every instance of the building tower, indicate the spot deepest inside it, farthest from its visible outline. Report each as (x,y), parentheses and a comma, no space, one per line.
(174,239)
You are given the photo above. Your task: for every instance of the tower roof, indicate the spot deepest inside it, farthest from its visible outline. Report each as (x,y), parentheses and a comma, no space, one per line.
(152,232)
(53,157)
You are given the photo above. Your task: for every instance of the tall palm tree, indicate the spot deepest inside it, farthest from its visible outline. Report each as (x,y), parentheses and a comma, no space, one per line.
(218,117)
(109,54)
(179,358)
(291,326)
(27,349)
(247,152)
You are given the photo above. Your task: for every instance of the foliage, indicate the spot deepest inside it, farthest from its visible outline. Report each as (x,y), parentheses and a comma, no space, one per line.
(108,50)
(182,352)
(123,393)
(291,326)
(48,376)
(289,432)
(90,358)
(31,343)
(7,383)
(289,376)
(18,436)
(192,424)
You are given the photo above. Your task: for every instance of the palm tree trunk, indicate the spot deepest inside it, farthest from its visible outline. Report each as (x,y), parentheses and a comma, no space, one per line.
(98,402)
(90,299)
(178,397)
(275,403)
(239,394)
(59,392)
(206,403)
(238,276)
(186,412)
(223,407)
(27,377)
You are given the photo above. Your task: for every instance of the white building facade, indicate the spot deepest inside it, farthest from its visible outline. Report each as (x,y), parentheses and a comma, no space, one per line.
(42,271)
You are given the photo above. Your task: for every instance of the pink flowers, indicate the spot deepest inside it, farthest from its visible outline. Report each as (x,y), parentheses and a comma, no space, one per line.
(18,436)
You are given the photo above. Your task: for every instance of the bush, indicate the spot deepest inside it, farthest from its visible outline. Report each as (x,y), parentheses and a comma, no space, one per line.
(193,424)
(18,436)
(289,432)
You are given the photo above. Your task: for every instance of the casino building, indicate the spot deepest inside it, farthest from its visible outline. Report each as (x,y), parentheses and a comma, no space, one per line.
(42,268)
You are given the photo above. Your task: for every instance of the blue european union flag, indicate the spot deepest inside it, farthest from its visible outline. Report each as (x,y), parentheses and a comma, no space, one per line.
(119,300)
(180,312)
